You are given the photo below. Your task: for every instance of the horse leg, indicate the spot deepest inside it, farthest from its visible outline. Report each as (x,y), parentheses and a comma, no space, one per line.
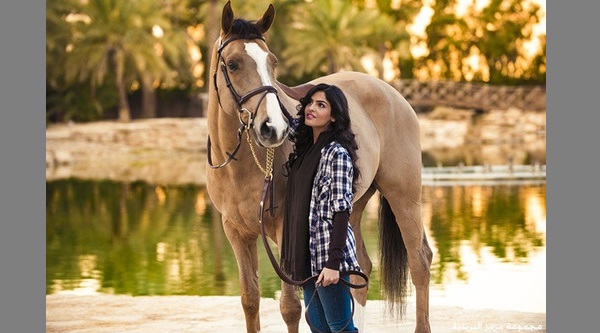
(407,210)
(360,295)
(246,255)
(289,303)
(290,307)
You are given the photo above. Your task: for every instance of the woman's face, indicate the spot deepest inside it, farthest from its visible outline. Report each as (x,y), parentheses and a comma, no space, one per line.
(317,113)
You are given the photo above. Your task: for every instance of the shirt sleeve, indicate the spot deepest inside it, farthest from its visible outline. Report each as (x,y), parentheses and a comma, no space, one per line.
(341,182)
(338,240)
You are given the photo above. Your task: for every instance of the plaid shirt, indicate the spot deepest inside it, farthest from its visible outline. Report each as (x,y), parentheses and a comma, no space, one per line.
(331,193)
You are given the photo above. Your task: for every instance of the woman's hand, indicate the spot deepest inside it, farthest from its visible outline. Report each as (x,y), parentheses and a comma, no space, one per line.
(328,276)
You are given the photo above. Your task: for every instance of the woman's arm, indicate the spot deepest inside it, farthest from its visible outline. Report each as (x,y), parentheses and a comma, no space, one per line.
(338,239)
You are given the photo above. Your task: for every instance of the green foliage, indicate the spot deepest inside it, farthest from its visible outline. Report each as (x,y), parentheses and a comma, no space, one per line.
(496,34)
(328,36)
(78,103)
(98,45)
(99,37)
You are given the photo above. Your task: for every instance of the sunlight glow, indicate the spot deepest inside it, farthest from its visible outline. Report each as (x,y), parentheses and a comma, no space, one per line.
(477,202)
(368,65)
(196,32)
(76,17)
(90,282)
(157,31)
(422,20)
(417,30)
(535,212)
(389,69)
(539,30)
(85,287)
(518,288)
(462,6)
(161,251)
(200,205)
(160,195)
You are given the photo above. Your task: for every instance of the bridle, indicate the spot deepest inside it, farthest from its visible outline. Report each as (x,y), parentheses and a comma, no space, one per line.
(240,100)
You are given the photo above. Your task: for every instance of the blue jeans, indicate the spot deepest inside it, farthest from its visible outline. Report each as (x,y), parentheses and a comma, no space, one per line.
(330,308)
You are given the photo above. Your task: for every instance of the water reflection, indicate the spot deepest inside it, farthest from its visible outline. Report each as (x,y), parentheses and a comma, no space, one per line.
(490,244)
(490,218)
(141,239)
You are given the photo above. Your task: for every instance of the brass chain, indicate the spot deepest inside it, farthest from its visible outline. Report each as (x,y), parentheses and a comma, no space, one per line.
(268,169)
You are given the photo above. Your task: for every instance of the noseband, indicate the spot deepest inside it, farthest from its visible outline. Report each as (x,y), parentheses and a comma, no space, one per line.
(240,101)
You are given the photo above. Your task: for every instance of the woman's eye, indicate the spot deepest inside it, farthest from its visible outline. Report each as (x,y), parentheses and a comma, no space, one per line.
(232,65)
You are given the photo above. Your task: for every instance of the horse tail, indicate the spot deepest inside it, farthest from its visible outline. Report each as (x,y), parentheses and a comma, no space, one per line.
(393,260)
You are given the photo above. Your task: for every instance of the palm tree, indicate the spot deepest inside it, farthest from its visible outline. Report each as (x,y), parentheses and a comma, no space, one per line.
(328,36)
(118,37)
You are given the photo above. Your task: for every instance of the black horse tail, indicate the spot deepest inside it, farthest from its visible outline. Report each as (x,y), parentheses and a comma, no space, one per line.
(393,260)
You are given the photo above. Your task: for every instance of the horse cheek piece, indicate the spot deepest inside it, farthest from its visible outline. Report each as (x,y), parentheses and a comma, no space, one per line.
(246,99)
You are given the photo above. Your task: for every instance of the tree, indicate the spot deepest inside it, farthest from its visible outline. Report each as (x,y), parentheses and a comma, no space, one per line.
(390,36)
(328,36)
(448,38)
(493,37)
(504,25)
(120,37)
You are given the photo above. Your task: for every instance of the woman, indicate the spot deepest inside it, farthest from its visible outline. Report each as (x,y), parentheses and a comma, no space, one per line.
(317,236)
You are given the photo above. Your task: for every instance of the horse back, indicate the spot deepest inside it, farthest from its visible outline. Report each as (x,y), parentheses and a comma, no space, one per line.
(386,126)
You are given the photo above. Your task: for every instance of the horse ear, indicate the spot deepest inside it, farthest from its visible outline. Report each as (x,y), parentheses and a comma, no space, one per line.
(226,18)
(267,19)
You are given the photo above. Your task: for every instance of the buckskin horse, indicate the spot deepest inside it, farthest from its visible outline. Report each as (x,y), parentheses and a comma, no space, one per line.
(248,123)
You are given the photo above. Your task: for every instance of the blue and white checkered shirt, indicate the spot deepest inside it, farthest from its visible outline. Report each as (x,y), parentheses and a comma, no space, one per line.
(331,193)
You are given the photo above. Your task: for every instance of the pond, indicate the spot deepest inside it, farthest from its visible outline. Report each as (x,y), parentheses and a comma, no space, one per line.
(135,238)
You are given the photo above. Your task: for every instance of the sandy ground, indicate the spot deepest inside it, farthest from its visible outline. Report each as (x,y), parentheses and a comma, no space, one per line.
(181,314)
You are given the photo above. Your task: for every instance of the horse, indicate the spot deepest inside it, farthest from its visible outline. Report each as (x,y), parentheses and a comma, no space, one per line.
(247,100)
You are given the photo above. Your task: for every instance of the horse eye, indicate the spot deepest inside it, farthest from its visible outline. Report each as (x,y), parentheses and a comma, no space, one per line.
(232,65)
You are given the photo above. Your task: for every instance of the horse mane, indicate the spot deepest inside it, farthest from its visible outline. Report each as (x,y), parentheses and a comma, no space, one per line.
(244,29)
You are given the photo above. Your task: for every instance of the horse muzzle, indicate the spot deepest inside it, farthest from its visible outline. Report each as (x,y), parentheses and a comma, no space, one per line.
(269,135)
(273,128)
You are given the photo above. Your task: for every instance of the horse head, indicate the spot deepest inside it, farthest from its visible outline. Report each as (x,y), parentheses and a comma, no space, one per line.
(244,77)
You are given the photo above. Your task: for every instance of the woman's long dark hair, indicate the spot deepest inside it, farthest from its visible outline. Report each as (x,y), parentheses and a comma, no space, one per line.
(303,135)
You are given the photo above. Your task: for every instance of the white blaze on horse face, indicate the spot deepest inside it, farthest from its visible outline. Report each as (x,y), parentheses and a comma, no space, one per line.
(276,120)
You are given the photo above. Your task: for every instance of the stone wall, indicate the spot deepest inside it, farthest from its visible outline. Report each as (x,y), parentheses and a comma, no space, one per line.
(163,150)
(494,137)
(173,149)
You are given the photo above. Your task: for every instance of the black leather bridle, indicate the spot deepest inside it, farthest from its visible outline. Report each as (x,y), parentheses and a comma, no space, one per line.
(240,100)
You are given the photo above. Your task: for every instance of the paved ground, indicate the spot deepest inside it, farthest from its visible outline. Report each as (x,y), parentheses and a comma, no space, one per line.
(182,314)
